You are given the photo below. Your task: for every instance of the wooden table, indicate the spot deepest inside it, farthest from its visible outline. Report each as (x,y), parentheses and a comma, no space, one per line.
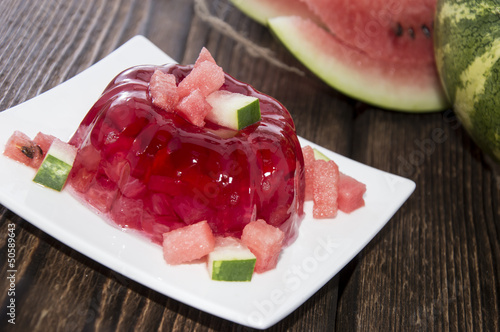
(434,267)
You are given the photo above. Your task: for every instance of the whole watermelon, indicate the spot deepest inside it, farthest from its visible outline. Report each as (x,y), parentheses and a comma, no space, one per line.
(467,49)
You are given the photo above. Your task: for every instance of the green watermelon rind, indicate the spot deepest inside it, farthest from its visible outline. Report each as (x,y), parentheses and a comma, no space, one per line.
(467,47)
(375,88)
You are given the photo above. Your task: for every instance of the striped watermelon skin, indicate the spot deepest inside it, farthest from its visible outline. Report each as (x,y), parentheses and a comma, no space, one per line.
(467,49)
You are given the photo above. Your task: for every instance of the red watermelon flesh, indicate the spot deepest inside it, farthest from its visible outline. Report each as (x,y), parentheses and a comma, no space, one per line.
(163,90)
(23,149)
(189,243)
(325,189)
(393,30)
(194,107)
(351,193)
(265,242)
(308,153)
(204,55)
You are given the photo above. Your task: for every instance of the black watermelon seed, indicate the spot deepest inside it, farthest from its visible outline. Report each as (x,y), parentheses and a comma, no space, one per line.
(426,31)
(398,30)
(28,151)
(411,32)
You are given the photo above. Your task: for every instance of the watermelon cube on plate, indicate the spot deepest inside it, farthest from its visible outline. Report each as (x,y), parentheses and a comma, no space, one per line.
(231,260)
(21,148)
(265,242)
(351,193)
(325,189)
(188,243)
(308,153)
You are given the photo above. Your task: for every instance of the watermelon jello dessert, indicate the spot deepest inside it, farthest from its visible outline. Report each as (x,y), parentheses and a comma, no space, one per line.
(154,170)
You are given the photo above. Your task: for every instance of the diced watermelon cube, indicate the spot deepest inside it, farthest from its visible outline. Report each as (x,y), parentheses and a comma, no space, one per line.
(188,243)
(308,153)
(194,108)
(204,56)
(325,189)
(351,193)
(163,90)
(22,149)
(265,242)
(44,141)
(207,77)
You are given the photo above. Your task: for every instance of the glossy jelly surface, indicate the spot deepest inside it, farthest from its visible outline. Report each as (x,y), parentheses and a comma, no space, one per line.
(151,170)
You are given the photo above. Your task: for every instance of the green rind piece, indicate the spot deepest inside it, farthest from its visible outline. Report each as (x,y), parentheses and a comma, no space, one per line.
(467,49)
(52,173)
(233,110)
(233,270)
(319,155)
(249,114)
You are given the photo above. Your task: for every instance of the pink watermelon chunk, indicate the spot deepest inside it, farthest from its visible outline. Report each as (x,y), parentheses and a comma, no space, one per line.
(325,189)
(188,243)
(309,159)
(22,149)
(351,193)
(204,56)
(44,141)
(163,90)
(207,77)
(265,242)
(194,108)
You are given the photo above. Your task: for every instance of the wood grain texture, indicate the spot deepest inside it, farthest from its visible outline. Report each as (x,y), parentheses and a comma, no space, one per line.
(434,267)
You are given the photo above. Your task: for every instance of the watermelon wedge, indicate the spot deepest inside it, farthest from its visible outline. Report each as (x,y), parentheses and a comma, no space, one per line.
(390,85)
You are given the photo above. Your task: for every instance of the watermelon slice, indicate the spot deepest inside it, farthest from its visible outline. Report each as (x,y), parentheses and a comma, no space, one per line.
(375,51)
(391,85)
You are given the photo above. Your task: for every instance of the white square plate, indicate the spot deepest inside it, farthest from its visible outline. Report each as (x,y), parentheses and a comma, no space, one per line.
(322,249)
